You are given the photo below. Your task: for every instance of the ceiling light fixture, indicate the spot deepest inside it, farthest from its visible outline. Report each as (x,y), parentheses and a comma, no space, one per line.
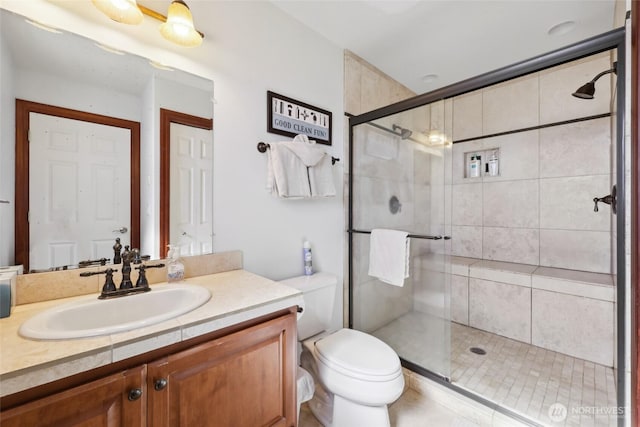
(429,78)
(436,138)
(123,11)
(177,26)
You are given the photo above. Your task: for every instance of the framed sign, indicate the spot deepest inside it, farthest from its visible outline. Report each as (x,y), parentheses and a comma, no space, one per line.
(290,118)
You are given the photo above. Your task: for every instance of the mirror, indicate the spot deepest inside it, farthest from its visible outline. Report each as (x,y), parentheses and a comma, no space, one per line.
(89,82)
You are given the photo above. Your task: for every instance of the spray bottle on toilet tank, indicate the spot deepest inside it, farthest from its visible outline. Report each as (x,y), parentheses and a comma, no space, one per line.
(306,256)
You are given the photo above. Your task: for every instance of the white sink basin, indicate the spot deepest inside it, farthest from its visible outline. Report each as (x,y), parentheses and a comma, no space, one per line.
(92,317)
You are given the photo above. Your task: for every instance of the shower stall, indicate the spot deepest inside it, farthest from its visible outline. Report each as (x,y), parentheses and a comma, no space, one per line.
(517,284)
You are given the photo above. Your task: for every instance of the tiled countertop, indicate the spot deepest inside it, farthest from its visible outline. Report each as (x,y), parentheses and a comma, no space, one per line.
(236,296)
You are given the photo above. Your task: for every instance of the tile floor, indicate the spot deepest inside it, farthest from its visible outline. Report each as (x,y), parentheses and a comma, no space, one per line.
(529,379)
(411,410)
(518,376)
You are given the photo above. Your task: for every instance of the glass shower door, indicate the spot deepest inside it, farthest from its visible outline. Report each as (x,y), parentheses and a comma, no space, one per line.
(398,181)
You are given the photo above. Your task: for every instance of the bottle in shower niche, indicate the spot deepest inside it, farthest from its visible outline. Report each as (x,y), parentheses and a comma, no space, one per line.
(474,166)
(306,256)
(175,269)
(494,164)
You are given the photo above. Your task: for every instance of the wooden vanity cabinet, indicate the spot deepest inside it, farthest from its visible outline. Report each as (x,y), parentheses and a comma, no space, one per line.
(242,379)
(116,400)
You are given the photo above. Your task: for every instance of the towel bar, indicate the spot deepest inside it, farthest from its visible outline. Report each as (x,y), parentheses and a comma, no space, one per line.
(262,147)
(413,236)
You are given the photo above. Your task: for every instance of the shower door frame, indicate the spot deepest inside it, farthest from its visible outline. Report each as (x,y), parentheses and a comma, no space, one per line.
(611,40)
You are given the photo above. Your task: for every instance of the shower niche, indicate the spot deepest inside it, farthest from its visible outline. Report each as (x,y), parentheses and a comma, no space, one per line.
(481,163)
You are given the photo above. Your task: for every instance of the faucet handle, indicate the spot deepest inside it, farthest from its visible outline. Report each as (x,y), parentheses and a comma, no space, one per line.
(142,276)
(135,254)
(90,262)
(108,286)
(94,273)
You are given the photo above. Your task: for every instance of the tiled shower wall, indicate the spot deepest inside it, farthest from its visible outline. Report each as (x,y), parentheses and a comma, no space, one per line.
(540,209)
(367,88)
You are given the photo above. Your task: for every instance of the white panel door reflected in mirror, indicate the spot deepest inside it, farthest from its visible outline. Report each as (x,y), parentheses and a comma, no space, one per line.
(191,189)
(79,188)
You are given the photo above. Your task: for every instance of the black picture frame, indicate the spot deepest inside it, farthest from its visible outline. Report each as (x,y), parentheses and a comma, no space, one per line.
(288,117)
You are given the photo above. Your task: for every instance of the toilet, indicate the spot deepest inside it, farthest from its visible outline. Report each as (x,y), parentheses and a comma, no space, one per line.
(355,374)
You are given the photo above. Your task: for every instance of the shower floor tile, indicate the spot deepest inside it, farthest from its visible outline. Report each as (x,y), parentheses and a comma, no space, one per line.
(521,377)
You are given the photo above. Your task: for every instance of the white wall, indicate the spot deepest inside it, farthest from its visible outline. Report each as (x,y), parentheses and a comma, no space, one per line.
(7,156)
(262,50)
(50,89)
(250,47)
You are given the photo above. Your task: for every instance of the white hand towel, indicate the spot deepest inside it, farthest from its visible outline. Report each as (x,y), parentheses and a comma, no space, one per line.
(321,178)
(299,169)
(287,174)
(305,149)
(389,256)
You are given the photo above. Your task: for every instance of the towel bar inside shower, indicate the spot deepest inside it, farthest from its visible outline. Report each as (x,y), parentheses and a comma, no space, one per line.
(262,147)
(413,236)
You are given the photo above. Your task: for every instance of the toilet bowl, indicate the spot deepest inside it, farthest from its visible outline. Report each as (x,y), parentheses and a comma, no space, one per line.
(356,375)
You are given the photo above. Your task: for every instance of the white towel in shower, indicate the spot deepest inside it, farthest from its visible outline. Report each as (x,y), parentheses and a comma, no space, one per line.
(389,256)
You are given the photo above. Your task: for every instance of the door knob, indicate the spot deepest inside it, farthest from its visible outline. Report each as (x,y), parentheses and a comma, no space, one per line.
(121,230)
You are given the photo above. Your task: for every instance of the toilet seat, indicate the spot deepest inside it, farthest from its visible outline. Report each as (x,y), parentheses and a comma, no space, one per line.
(359,356)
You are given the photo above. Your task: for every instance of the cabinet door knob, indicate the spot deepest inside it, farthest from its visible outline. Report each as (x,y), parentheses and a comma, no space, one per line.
(160,384)
(135,394)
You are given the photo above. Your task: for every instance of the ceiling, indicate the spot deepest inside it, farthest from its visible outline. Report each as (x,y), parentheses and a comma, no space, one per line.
(452,39)
(410,39)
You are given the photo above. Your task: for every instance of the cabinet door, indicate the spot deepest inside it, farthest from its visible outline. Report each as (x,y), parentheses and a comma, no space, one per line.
(110,402)
(246,379)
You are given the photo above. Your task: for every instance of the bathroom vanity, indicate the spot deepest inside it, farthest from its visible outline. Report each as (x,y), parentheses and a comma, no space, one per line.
(231,361)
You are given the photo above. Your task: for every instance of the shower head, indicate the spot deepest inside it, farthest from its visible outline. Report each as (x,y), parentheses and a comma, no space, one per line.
(587,90)
(404,133)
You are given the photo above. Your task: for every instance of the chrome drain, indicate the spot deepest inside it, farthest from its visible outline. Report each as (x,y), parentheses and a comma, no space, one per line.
(478,350)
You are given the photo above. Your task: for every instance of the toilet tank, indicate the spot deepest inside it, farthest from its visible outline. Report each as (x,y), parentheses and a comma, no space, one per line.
(319,294)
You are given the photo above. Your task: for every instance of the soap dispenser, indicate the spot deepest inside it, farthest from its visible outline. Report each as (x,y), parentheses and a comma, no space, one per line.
(474,166)
(494,164)
(175,269)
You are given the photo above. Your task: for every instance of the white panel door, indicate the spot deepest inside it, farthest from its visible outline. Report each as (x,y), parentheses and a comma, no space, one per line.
(191,189)
(79,190)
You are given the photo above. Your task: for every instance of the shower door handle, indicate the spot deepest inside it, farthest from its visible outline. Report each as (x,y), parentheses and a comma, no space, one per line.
(608,199)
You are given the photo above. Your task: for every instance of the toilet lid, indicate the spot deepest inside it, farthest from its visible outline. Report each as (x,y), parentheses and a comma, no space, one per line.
(358,355)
